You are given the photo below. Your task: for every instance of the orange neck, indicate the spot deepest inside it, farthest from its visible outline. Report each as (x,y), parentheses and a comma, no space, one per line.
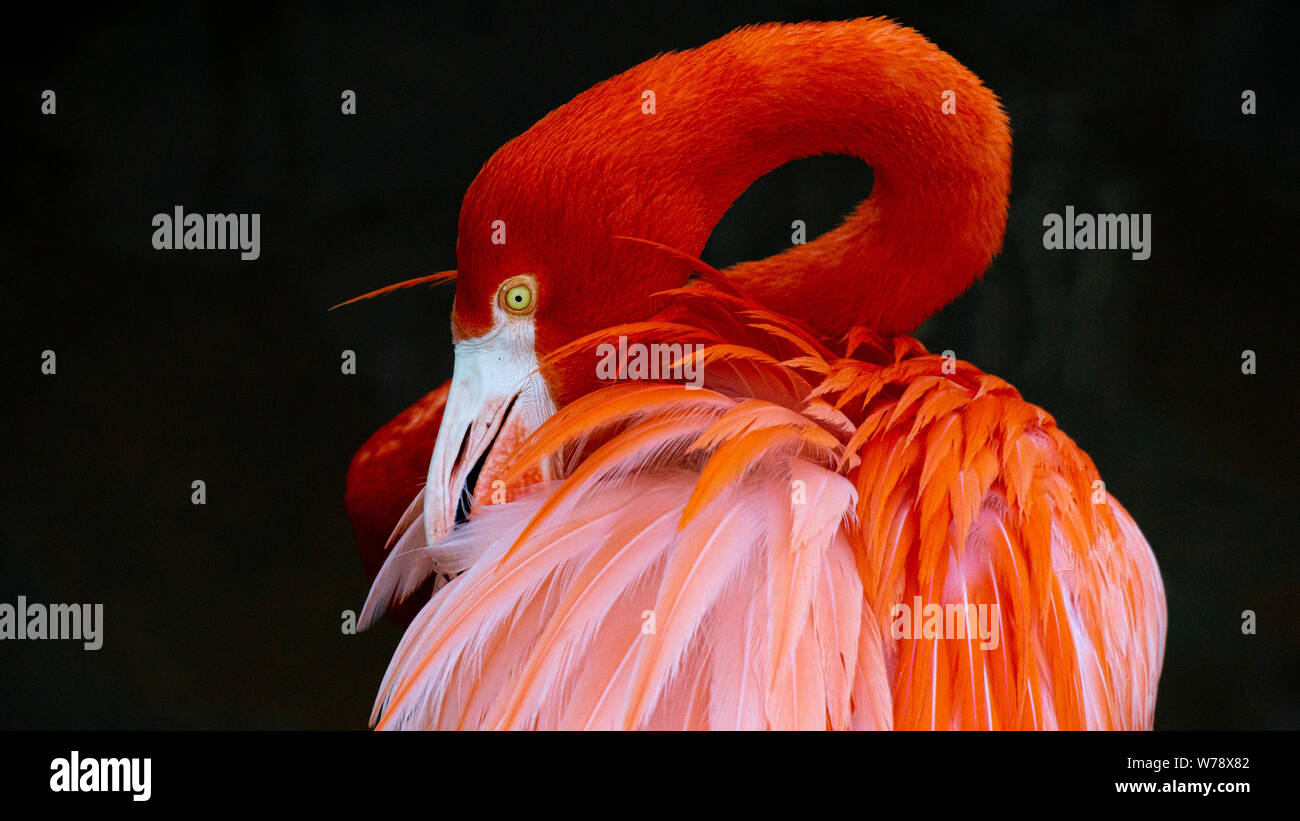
(940,149)
(661,152)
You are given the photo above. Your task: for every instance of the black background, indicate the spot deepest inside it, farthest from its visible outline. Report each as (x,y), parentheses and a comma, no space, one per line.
(176,366)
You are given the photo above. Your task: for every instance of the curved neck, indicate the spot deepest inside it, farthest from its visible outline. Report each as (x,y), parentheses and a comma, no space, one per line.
(936,138)
(661,151)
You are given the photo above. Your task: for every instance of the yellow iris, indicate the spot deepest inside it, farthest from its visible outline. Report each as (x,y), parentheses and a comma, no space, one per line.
(518,297)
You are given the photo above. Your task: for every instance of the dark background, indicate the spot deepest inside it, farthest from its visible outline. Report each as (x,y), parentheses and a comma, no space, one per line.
(175,366)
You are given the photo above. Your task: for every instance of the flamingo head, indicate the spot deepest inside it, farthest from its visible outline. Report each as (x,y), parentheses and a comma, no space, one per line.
(542,262)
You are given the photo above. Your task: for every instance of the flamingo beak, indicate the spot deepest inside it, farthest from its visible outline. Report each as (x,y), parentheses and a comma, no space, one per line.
(497,399)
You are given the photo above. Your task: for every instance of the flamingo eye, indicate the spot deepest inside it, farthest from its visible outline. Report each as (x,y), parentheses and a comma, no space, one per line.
(516,294)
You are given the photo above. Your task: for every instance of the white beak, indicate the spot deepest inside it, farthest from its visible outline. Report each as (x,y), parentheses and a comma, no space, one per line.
(497,398)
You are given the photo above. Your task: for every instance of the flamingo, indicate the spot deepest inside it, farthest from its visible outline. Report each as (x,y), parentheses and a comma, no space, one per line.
(650,554)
